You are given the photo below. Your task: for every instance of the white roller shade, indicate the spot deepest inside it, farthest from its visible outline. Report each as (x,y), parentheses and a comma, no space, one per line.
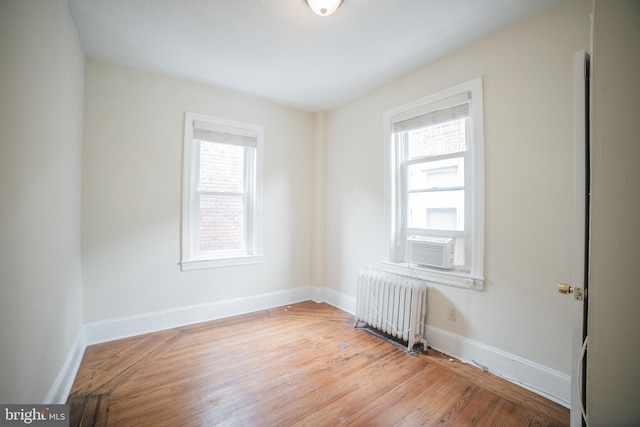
(452,109)
(204,132)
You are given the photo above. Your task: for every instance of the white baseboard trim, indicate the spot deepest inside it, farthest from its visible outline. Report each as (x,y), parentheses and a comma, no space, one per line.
(61,387)
(547,382)
(339,300)
(124,327)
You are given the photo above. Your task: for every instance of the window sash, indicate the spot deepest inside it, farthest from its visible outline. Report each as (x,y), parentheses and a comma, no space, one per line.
(247,247)
(403,190)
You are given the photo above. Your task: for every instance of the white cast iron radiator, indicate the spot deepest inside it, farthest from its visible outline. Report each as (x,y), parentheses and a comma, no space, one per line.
(393,304)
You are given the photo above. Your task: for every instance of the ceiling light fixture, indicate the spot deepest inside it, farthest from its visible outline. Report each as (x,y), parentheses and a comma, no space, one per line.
(324,7)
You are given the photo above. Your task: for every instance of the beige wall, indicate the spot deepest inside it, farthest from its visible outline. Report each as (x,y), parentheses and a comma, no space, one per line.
(528,110)
(131,196)
(41,95)
(613,373)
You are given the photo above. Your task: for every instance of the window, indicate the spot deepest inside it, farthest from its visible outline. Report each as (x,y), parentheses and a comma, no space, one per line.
(435,187)
(221,192)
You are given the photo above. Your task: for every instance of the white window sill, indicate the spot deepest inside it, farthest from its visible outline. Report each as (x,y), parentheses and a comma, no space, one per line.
(223,262)
(450,278)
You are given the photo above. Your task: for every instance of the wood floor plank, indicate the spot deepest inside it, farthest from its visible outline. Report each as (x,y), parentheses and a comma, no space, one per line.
(321,389)
(77,403)
(298,365)
(89,410)
(556,414)
(433,399)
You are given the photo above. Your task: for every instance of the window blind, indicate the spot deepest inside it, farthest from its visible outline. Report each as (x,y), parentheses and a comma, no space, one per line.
(204,132)
(452,112)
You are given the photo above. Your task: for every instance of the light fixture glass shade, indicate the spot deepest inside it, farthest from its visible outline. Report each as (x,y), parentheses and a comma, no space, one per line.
(324,7)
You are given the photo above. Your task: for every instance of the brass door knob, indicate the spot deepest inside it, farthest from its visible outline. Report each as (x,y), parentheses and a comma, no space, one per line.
(578,293)
(563,288)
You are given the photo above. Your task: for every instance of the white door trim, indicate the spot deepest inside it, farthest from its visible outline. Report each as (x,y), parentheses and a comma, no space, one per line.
(580,229)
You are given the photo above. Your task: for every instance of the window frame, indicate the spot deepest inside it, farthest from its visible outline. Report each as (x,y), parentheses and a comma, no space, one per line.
(191,258)
(474,186)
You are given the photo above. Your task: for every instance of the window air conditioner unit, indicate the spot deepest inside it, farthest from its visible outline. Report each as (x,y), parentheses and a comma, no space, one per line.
(430,251)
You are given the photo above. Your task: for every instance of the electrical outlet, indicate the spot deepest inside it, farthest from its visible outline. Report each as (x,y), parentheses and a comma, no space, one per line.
(452,314)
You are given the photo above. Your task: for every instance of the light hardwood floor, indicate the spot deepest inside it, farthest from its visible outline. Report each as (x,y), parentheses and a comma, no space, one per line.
(303,365)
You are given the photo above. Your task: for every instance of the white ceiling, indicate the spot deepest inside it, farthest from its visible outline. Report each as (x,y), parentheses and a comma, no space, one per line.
(279,50)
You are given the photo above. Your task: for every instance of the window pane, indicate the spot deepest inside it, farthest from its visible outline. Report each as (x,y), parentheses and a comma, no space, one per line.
(447,173)
(221,167)
(442,218)
(441,210)
(435,140)
(221,223)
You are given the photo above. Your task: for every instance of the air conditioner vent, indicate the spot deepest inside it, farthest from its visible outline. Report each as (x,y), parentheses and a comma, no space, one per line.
(430,251)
